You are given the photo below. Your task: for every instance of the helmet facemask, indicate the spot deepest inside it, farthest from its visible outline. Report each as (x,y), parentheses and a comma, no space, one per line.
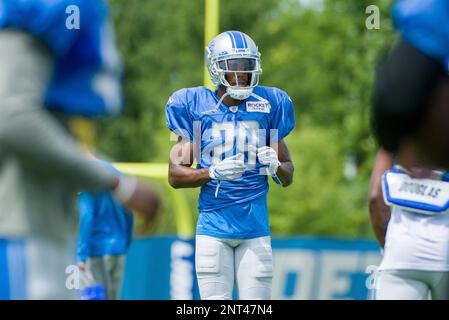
(238,74)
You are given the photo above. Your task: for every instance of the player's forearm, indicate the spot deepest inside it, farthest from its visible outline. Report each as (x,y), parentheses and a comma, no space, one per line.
(285,173)
(42,144)
(186,177)
(380,216)
(379,211)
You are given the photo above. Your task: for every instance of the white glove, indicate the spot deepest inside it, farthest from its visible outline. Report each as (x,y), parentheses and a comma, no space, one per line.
(268,157)
(228,169)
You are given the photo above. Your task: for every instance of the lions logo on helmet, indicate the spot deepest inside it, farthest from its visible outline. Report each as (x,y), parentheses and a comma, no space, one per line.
(234,54)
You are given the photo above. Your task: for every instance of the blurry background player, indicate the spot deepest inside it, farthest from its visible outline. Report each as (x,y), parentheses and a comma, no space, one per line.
(104,238)
(229,132)
(47,73)
(411,94)
(411,120)
(415,262)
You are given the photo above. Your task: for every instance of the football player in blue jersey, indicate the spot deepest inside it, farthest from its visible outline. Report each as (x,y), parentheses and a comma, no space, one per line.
(236,135)
(105,234)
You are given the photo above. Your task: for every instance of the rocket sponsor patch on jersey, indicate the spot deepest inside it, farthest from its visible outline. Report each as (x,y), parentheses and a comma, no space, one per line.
(258,106)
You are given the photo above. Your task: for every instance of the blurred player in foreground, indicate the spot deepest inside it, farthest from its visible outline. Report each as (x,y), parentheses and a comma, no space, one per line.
(236,135)
(410,118)
(48,72)
(415,264)
(411,95)
(104,238)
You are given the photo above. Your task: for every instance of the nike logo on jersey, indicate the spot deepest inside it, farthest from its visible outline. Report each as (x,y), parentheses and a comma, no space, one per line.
(258,106)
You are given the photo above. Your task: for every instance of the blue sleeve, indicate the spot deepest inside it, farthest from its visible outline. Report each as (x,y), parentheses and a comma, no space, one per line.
(178,116)
(86,205)
(424,24)
(3,13)
(46,19)
(445,176)
(283,117)
(129,227)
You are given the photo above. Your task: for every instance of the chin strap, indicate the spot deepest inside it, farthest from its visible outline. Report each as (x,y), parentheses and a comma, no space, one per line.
(215,110)
(217,106)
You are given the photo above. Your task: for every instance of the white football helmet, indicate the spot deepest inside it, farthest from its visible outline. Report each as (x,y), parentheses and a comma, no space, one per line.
(234,54)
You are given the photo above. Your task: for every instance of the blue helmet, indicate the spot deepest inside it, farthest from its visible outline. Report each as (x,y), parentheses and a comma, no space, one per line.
(233,52)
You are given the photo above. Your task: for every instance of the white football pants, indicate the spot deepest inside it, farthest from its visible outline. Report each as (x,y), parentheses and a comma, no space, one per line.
(412,285)
(221,262)
(108,271)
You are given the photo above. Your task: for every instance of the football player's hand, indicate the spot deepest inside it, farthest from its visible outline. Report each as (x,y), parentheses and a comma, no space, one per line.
(228,169)
(145,202)
(268,157)
(138,197)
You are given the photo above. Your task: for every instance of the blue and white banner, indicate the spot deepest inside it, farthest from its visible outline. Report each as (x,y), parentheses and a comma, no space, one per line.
(161,268)
(304,268)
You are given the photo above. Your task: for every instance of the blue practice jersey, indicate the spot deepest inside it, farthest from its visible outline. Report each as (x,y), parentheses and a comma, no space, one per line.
(425,25)
(86,78)
(105,226)
(239,210)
